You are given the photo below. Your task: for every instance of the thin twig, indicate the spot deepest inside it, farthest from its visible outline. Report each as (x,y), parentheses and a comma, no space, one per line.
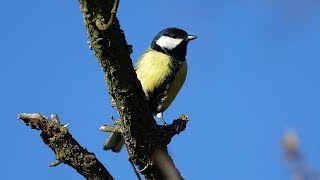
(54,164)
(134,169)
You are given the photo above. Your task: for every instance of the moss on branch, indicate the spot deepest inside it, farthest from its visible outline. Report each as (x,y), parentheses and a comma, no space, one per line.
(146,142)
(113,54)
(66,148)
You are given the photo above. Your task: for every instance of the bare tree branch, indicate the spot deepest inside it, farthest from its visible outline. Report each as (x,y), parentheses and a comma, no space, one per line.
(66,148)
(144,146)
(146,141)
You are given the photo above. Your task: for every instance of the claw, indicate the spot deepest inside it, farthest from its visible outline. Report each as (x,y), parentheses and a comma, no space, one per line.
(160,116)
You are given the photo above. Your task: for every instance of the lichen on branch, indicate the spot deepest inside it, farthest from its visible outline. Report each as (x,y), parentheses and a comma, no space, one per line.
(66,148)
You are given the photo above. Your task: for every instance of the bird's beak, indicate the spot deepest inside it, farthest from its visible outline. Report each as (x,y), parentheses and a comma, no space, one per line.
(191,37)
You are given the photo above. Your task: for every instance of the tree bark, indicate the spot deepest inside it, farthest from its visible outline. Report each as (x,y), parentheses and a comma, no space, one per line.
(146,141)
(66,148)
(138,126)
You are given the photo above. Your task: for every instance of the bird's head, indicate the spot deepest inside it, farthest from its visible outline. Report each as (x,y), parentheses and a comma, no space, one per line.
(172,41)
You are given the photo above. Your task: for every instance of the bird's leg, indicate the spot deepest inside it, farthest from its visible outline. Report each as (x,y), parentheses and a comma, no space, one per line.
(160,116)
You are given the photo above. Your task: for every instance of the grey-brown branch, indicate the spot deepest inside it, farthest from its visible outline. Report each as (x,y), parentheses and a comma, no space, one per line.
(165,133)
(144,146)
(65,147)
(146,141)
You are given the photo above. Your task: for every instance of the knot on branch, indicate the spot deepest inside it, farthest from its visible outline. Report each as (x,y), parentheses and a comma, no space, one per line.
(164,132)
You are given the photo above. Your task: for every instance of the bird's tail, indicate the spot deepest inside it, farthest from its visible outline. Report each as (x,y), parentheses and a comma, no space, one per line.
(115,142)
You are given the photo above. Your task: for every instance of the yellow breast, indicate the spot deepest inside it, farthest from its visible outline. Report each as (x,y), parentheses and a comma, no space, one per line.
(152,70)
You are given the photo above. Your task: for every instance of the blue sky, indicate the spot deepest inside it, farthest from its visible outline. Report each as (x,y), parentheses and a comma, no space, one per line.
(253,73)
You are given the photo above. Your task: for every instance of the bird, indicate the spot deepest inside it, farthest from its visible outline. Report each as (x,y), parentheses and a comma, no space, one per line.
(161,70)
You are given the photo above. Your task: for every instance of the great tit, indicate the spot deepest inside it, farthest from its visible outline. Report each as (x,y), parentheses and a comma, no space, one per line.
(162,70)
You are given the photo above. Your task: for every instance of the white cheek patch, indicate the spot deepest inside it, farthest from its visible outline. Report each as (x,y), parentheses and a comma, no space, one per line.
(168,42)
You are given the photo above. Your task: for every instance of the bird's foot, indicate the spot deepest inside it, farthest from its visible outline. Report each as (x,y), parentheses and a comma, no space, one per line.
(160,116)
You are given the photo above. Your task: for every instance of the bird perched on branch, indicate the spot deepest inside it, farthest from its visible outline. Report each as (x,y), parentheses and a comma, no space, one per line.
(162,70)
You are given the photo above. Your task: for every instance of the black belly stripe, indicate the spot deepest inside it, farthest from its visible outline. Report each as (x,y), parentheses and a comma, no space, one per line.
(155,97)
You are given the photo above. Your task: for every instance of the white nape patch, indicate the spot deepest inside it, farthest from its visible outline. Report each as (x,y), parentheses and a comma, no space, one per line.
(168,42)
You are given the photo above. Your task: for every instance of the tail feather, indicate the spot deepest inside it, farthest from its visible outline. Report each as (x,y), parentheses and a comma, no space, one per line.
(115,142)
